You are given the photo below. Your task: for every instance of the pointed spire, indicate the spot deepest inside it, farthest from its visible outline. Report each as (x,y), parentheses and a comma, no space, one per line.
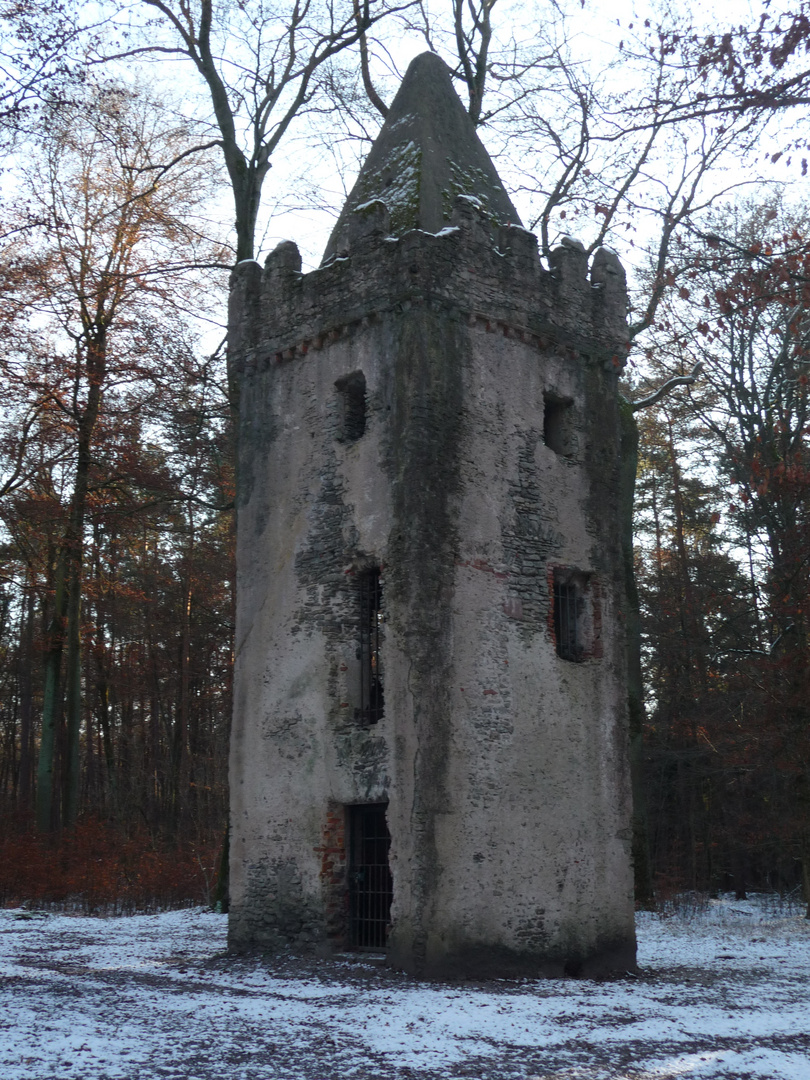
(426,154)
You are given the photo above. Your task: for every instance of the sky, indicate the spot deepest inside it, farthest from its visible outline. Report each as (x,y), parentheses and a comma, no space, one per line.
(311,175)
(593,28)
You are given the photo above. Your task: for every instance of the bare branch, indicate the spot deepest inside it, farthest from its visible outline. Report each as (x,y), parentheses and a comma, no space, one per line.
(669,385)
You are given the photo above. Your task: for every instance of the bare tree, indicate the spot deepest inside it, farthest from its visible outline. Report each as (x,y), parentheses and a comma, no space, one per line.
(628,152)
(36,66)
(261,69)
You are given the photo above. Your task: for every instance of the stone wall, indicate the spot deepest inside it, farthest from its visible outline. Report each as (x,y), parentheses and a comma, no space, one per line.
(488,464)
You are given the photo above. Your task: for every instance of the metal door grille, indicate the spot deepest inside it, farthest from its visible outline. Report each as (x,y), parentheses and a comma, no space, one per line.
(371,687)
(566,620)
(370,883)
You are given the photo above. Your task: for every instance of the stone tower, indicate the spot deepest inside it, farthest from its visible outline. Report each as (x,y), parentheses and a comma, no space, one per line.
(429,750)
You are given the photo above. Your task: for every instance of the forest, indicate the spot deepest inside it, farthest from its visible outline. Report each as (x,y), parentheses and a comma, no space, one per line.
(146,148)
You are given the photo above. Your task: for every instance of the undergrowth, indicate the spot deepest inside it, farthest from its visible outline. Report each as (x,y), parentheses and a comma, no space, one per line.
(99,868)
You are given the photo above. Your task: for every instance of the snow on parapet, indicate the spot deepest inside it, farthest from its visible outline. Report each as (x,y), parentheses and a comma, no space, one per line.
(466,266)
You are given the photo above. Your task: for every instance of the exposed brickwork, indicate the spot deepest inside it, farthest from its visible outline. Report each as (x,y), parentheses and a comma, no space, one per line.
(277,913)
(334,869)
(597,645)
(481,564)
(550,572)
(529,538)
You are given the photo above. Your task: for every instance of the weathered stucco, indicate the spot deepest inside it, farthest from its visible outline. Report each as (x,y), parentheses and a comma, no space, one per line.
(504,766)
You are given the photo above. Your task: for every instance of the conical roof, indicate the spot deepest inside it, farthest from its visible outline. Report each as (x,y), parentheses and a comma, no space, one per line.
(426,154)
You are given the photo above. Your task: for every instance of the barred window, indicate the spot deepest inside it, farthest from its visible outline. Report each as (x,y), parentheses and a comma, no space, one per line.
(567,620)
(576,615)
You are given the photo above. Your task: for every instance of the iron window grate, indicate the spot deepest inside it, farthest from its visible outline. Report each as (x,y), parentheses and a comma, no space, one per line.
(567,631)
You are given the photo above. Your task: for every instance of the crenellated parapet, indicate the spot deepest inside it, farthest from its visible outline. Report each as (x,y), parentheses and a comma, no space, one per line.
(490,277)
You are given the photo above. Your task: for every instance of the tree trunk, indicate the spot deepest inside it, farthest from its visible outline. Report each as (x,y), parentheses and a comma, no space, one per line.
(74,603)
(180,749)
(694,636)
(73,701)
(635,692)
(66,615)
(51,703)
(220,899)
(26,699)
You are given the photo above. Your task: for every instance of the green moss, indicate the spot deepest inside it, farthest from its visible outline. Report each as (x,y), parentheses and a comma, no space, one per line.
(471,182)
(398,185)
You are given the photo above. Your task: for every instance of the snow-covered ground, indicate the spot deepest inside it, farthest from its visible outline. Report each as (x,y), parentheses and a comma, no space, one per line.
(724,992)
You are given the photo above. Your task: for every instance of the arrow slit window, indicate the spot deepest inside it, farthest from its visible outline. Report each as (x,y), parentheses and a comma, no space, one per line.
(371,623)
(557,425)
(352,406)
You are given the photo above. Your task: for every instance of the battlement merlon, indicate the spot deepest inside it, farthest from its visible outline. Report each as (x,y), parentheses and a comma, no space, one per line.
(483,274)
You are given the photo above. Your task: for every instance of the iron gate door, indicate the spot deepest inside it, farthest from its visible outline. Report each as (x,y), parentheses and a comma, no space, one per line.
(370,882)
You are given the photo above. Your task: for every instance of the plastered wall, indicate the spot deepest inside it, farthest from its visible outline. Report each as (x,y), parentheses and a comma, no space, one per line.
(504,766)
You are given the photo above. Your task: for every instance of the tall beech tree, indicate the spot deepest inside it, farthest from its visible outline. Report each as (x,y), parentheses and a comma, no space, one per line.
(111,241)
